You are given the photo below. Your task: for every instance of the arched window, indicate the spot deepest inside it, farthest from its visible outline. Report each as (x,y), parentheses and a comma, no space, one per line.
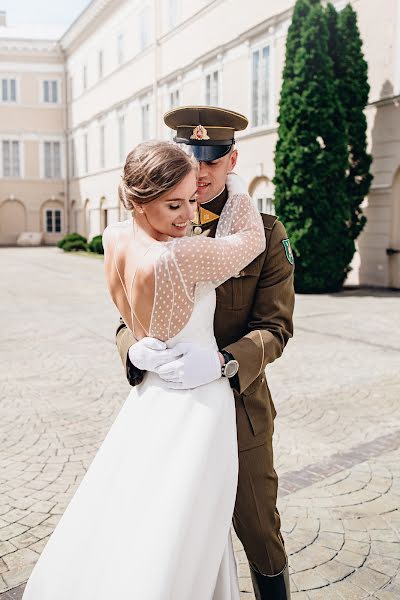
(262,192)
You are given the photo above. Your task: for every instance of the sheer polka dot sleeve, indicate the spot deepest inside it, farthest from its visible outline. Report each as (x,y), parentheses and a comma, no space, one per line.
(187,262)
(240,238)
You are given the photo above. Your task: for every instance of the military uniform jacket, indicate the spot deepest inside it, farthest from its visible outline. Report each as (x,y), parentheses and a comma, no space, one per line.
(253,321)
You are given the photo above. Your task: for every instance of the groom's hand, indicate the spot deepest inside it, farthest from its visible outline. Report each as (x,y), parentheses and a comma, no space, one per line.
(195,366)
(149,354)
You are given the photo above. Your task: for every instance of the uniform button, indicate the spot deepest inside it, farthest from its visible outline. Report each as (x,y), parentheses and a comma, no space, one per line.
(197,230)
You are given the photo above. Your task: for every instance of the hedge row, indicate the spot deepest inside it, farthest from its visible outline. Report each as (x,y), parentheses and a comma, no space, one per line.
(73,242)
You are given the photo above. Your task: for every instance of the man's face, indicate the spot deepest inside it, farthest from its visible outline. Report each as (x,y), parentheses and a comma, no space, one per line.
(211,177)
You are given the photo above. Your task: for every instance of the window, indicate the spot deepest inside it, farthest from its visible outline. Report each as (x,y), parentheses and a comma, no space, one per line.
(84,77)
(121,138)
(53,220)
(8,90)
(50,91)
(145,121)
(52,160)
(73,158)
(173,13)
(173,99)
(71,88)
(100,63)
(11,159)
(263,195)
(86,152)
(120,48)
(266,205)
(144,28)
(102,147)
(261,85)
(212,95)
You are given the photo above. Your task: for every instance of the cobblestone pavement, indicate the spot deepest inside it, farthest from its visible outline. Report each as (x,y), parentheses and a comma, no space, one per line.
(337,439)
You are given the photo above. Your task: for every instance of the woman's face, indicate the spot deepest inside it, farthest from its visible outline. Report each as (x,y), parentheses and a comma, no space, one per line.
(170,215)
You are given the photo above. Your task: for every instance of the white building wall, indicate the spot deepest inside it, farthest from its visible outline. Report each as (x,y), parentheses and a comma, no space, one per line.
(194,38)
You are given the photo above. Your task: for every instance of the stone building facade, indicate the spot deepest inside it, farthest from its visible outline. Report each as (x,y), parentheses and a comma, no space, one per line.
(123,63)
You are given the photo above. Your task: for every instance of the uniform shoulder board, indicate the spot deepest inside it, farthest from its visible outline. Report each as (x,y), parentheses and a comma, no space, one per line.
(269,221)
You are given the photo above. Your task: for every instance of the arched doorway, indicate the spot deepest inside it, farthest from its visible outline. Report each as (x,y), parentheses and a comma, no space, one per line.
(262,191)
(12,220)
(394,243)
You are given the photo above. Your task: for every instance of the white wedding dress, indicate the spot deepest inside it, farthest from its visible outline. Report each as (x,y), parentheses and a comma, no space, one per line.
(151,518)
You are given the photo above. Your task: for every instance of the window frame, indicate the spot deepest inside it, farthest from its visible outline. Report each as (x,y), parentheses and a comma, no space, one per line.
(266,42)
(85,138)
(8,79)
(209,73)
(84,77)
(102,145)
(42,157)
(53,211)
(143,104)
(144,35)
(120,48)
(11,140)
(121,121)
(58,82)
(100,64)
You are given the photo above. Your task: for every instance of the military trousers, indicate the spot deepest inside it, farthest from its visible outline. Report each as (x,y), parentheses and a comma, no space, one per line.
(256,519)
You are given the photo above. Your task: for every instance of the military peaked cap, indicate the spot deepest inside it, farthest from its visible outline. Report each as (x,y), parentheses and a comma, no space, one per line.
(208,129)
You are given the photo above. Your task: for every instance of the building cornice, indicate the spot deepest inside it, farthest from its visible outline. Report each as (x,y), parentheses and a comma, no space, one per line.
(25,46)
(86,22)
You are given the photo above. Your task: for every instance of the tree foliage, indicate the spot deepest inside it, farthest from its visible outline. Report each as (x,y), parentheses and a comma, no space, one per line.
(310,176)
(351,71)
(321,164)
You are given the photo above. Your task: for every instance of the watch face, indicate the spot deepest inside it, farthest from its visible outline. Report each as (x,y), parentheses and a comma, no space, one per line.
(231,368)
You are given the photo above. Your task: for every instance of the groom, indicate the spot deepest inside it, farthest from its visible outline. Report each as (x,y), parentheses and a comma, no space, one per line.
(252,324)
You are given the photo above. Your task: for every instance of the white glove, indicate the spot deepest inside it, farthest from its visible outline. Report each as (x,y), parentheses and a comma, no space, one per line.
(196,366)
(149,353)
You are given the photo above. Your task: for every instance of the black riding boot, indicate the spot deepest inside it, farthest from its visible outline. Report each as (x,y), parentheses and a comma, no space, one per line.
(270,588)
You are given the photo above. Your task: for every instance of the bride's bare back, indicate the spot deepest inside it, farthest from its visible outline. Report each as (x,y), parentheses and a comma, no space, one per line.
(153,284)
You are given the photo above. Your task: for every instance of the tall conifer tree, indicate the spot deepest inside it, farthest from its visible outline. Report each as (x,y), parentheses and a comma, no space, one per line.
(352,76)
(311,156)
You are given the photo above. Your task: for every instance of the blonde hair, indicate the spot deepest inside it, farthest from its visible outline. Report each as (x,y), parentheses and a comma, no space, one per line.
(152,169)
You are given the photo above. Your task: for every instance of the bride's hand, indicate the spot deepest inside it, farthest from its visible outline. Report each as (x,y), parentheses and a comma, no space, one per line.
(195,366)
(149,353)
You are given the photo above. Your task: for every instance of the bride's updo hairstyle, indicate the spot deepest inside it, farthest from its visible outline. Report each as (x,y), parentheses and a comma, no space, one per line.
(152,169)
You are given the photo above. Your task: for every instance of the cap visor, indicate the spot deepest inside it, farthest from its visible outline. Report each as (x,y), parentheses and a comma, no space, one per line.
(209,153)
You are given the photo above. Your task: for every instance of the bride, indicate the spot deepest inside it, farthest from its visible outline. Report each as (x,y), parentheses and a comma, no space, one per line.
(151,518)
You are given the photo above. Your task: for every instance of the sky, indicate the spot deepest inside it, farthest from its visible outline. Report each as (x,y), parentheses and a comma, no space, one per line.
(57,12)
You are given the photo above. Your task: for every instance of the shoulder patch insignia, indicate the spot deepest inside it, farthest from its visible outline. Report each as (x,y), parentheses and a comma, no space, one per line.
(288,251)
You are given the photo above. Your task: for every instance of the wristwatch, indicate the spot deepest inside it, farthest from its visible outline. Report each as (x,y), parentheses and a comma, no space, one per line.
(231,365)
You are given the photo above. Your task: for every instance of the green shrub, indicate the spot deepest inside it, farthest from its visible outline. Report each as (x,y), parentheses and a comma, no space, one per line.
(71,237)
(96,245)
(74,246)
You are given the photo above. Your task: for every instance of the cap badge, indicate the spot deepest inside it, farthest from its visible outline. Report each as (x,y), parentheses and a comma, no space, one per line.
(199,133)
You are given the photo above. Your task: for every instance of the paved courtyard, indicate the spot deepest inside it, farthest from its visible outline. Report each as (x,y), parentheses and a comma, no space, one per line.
(337,439)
